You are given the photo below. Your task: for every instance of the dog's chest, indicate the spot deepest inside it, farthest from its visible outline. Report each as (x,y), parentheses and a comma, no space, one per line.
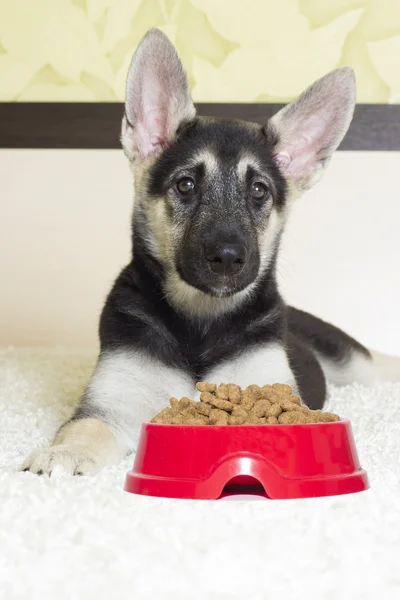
(203,348)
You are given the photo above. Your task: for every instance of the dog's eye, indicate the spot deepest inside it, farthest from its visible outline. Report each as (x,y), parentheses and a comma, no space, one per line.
(186,186)
(259,191)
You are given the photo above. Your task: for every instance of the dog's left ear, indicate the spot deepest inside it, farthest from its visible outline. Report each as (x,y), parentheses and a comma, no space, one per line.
(309,130)
(157,97)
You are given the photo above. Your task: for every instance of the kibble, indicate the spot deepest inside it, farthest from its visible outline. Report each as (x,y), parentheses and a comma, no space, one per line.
(286,404)
(272,421)
(223,391)
(274,411)
(260,408)
(206,387)
(218,417)
(222,404)
(234,393)
(228,404)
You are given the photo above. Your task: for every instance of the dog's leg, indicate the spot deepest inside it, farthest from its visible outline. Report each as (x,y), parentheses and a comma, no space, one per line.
(342,358)
(271,364)
(80,446)
(126,389)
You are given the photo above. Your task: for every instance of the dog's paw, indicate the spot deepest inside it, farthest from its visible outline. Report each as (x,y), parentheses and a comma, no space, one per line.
(75,459)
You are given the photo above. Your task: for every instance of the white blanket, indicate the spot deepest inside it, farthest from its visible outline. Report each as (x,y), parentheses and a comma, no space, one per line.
(84,537)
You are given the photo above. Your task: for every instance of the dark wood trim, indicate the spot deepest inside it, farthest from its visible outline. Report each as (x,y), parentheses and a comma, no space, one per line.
(97,125)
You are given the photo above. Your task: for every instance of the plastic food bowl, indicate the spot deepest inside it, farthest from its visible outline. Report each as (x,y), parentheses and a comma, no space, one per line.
(278,461)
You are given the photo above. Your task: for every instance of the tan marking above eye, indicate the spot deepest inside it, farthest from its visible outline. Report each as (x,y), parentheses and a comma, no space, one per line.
(209,160)
(244,163)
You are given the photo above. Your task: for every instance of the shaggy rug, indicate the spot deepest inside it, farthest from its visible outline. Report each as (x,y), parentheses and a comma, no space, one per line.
(84,537)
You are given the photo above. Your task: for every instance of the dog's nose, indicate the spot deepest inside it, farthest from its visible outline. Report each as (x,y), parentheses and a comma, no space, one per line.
(226,259)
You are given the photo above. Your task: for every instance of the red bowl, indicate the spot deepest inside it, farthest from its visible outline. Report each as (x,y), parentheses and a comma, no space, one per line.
(278,461)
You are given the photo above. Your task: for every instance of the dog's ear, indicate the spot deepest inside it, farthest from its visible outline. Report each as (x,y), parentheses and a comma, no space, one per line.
(157,97)
(309,130)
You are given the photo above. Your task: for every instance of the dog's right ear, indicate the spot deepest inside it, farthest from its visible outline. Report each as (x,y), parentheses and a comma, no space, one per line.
(157,97)
(310,129)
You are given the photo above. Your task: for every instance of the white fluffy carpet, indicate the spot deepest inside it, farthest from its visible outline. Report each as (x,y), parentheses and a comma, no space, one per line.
(83,538)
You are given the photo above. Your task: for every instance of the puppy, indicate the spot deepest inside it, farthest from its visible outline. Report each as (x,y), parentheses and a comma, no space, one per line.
(199,299)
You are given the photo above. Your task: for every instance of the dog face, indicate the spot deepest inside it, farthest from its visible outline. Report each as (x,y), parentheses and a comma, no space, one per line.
(217,187)
(211,196)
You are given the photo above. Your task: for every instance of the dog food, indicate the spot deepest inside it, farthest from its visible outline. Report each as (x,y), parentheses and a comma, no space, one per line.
(228,404)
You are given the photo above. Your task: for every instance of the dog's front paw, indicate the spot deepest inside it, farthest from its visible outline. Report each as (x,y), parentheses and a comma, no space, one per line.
(76,459)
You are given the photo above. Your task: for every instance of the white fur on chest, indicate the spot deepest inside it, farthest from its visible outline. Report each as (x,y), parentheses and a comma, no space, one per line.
(268,364)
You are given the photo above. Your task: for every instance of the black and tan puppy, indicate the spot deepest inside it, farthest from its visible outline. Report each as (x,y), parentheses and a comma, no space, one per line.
(199,299)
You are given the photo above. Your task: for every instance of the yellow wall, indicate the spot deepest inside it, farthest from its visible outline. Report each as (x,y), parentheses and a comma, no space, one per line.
(234,50)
